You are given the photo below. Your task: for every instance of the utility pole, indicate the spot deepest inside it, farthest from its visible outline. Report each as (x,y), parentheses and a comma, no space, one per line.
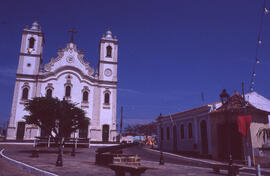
(246,138)
(202,96)
(121,123)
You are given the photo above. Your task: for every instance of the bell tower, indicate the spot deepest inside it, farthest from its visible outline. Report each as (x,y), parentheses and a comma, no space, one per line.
(108,56)
(30,58)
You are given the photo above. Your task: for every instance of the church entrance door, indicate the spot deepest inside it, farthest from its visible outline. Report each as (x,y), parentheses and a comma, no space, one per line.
(83,132)
(105,133)
(20,130)
(204,139)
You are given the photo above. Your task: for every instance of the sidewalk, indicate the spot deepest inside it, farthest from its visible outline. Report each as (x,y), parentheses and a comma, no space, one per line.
(7,169)
(83,163)
(200,161)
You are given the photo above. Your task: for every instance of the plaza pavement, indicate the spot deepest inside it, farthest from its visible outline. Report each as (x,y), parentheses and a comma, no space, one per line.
(83,163)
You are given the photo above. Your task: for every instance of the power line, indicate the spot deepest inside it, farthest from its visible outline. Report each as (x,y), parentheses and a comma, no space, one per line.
(264,12)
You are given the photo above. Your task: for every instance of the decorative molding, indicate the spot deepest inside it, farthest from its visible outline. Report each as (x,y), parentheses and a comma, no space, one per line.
(29,54)
(26,85)
(106,106)
(86,64)
(49,86)
(85,88)
(114,41)
(108,72)
(45,75)
(23,101)
(108,62)
(85,104)
(33,32)
(60,54)
(68,83)
(70,49)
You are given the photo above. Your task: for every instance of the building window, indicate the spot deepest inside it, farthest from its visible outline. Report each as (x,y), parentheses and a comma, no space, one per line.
(109,51)
(49,93)
(107,98)
(168,133)
(161,133)
(25,93)
(182,131)
(68,91)
(31,42)
(190,130)
(85,96)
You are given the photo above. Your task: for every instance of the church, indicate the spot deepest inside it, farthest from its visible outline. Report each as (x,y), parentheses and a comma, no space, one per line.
(70,77)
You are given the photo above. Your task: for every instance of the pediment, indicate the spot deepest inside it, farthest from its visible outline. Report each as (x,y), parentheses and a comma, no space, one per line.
(69,56)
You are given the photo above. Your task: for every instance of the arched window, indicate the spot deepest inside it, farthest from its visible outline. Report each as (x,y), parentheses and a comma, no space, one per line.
(168,133)
(107,98)
(109,51)
(25,94)
(182,131)
(190,130)
(85,96)
(31,42)
(68,90)
(49,93)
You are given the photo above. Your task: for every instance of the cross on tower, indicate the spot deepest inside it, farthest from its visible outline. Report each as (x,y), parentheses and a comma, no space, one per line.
(72,34)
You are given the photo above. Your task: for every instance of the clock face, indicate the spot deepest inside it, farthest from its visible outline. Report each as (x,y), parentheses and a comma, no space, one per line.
(108,72)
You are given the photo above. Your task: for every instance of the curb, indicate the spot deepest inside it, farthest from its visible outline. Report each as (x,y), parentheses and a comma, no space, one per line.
(32,143)
(26,167)
(184,157)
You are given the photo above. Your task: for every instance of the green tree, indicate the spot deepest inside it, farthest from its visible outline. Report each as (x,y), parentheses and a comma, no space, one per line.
(58,118)
(142,129)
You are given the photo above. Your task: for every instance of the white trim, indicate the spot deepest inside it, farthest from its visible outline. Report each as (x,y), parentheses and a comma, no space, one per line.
(16,143)
(26,165)
(103,144)
(179,156)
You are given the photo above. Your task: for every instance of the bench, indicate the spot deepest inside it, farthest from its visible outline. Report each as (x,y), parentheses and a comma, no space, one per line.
(106,155)
(127,163)
(218,167)
(121,169)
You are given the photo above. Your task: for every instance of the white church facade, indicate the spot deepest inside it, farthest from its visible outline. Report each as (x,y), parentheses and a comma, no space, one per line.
(66,76)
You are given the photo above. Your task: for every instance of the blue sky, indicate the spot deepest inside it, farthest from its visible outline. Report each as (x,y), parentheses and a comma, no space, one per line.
(169,51)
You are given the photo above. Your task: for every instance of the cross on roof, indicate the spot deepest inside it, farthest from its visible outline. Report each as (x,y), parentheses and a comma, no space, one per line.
(72,34)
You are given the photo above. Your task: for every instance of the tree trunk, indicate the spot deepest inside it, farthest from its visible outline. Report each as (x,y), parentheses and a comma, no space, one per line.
(60,142)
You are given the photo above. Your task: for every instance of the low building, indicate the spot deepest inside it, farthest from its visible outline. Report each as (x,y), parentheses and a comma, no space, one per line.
(202,130)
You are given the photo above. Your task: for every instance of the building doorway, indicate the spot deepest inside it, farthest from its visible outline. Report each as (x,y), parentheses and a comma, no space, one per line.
(105,133)
(174,139)
(204,138)
(235,143)
(20,130)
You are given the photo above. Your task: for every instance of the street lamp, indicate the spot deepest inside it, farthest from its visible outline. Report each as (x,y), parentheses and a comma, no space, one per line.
(224,97)
(161,159)
(74,121)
